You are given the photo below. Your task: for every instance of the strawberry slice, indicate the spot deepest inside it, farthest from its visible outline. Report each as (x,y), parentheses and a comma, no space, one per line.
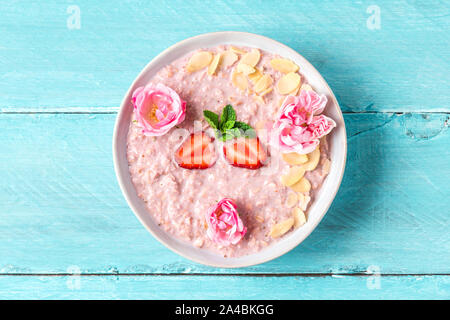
(245,152)
(196,152)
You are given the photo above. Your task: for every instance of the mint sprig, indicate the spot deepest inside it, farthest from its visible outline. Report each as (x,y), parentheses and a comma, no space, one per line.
(211,118)
(227,127)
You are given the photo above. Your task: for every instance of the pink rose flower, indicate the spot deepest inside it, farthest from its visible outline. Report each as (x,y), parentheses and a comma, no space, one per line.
(302,108)
(291,138)
(299,128)
(225,227)
(321,126)
(157,108)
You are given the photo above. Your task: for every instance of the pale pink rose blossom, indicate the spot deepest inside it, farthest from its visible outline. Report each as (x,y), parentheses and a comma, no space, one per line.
(225,227)
(300,109)
(321,125)
(298,128)
(291,138)
(157,109)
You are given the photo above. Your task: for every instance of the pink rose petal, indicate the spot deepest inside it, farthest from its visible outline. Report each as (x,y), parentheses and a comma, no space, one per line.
(157,109)
(225,227)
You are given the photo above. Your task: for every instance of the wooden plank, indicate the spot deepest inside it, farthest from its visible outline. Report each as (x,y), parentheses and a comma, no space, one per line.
(60,205)
(201,287)
(46,63)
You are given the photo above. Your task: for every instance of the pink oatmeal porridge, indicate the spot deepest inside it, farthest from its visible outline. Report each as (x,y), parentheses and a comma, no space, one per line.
(246,176)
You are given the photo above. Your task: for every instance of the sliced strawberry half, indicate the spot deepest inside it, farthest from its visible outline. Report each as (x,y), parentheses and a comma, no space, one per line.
(196,152)
(245,152)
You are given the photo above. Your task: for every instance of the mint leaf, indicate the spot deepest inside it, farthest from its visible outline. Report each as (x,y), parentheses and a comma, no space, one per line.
(228,115)
(248,131)
(212,118)
(228,125)
(232,133)
(242,125)
(226,137)
(235,132)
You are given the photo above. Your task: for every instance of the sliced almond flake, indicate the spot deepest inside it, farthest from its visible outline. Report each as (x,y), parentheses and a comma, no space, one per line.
(326,166)
(259,218)
(199,61)
(245,68)
(263,83)
(259,99)
(255,76)
(306,87)
(294,158)
(295,174)
(284,65)
(237,50)
(294,92)
(251,58)
(303,185)
(214,63)
(299,217)
(306,201)
(288,83)
(263,93)
(281,228)
(228,58)
(301,200)
(313,159)
(239,80)
(292,199)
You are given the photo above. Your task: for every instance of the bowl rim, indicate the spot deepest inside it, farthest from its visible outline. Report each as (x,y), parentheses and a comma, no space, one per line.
(120,178)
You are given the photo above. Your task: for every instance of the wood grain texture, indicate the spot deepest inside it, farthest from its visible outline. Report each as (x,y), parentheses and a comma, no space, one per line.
(61,211)
(44,65)
(60,205)
(205,287)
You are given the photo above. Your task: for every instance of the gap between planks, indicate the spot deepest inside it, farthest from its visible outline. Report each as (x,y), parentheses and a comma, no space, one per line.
(305,275)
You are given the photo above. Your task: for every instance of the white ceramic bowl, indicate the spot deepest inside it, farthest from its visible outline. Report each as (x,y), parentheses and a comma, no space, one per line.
(338,152)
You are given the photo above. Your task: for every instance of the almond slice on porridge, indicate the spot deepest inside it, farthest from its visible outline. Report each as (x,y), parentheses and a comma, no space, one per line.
(259,99)
(292,199)
(295,91)
(288,83)
(295,174)
(237,50)
(283,65)
(239,81)
(199,60)
(303,185)
(214,64)
(306,87)
(313,159)
(228,58)
(245,68)
(263,93)
(255,76)
(281,228)
(294,158)
(251,58)
(263,83)
(299,217)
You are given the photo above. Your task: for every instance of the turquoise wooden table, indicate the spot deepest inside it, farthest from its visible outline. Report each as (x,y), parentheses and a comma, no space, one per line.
(67,232)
